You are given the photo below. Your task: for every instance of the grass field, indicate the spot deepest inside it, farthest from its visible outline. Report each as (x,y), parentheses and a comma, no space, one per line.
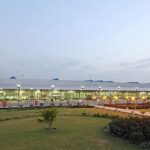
(12,114)
(74,132)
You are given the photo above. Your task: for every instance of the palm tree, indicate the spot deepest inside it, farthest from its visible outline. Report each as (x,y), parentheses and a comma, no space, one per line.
(48,116)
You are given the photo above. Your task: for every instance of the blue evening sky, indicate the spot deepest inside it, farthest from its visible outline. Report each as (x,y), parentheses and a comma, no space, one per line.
(75,39)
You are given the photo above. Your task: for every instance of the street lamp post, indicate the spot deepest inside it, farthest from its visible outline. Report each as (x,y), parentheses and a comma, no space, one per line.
(136,91)
(110,98)
(82,88)
(100,88)
(119,88)
(31,95)
(18,93)
(53,88)
(1,91)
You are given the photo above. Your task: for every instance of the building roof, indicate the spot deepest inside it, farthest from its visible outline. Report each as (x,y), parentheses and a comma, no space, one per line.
(7,83)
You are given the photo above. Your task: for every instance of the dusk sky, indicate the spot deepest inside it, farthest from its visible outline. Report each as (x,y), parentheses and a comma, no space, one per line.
(75,39)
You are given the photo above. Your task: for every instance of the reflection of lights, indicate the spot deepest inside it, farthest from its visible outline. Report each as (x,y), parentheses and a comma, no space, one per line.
(127,97)
(132,98)
(143,97)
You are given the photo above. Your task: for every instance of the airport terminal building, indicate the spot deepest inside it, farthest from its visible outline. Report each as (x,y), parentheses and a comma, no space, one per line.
(42,89)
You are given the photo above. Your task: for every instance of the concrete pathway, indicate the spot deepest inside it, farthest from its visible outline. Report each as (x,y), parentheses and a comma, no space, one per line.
(128,111)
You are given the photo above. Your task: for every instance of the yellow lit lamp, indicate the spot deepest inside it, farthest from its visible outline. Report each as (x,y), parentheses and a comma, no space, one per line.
(144,98)
(132,98)
(104,97)
(94,98)
(21,93)
(115,98)
(127,97)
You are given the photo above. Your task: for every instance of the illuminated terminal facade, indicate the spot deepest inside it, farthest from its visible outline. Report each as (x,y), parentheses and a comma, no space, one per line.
(40,89)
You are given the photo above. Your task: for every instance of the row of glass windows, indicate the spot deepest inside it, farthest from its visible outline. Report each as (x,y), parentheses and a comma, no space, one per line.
(64,95)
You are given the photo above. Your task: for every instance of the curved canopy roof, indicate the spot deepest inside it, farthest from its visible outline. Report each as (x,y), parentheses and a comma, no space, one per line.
(7,83)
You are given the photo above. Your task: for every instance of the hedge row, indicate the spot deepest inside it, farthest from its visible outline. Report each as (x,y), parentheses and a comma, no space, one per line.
(136,130)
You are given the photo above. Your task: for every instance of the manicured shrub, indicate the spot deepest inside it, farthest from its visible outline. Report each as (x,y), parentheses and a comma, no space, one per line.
(96,115)
(85,114)
(136,130)
(48,116)
(105,116)
(137,137)
(145,145)
(116,129)
(147,133)
(107,130)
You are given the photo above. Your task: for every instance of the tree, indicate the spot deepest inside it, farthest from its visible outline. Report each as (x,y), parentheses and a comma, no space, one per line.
(48,116)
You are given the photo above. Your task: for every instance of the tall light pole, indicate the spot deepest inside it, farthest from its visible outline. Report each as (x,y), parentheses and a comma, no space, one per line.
(18,93)
(53,88)
(82,88)
(99,88)
(136,90)
(31,89)
(1,91)
(119,88)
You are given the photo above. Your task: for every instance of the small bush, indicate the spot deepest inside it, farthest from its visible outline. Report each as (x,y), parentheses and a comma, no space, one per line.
(137,137)
(136,130)
(107,130)
(105,116)
(96,115)
(85,114)
(145,145)
(147,133)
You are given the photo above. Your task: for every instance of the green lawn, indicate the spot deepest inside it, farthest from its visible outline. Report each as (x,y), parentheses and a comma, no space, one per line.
(73,132)
(11,114)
